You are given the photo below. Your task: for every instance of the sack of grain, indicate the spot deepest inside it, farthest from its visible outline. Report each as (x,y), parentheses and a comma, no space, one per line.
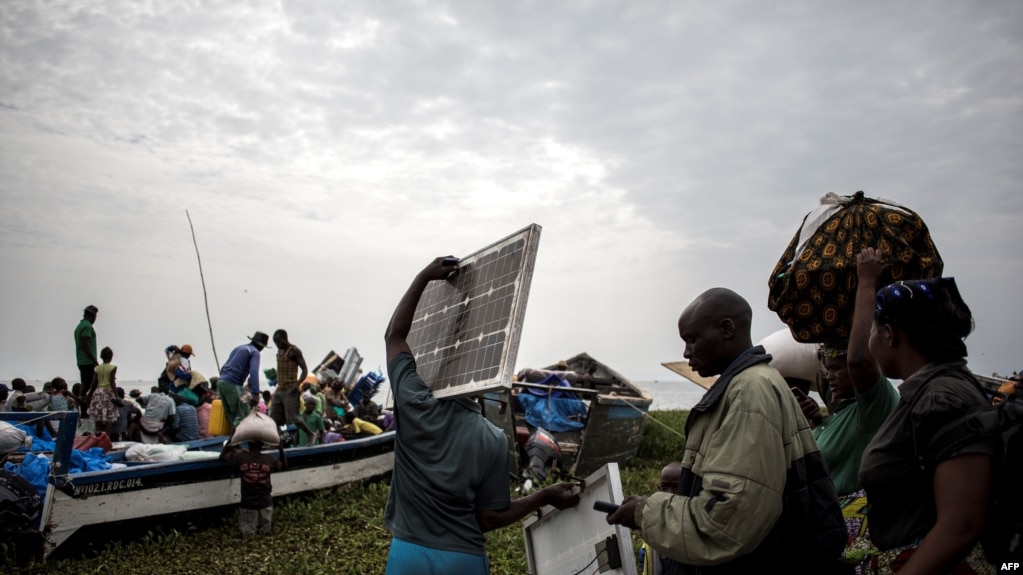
(257,427)
(791,358)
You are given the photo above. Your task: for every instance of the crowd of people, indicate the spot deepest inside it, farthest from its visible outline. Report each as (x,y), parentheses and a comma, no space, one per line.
(179,407)
(770,485)
(767,481)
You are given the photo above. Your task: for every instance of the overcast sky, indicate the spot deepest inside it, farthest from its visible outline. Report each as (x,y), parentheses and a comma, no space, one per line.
(326,151)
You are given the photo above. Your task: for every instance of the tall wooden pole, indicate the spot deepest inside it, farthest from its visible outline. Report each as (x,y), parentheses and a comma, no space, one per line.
(205,298)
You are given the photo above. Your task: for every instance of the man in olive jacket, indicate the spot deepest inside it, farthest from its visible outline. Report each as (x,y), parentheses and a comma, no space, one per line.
(755,495)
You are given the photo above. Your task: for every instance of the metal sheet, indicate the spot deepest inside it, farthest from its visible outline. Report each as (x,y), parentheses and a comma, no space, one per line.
(465,333)
(350,369)
(565,541)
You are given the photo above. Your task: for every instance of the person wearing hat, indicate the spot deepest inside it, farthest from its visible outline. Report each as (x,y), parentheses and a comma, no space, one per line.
(85,349)
(243,362)
(185,375)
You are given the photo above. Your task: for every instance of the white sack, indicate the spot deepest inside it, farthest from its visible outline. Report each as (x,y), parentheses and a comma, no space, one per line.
(790,357)
(257,427)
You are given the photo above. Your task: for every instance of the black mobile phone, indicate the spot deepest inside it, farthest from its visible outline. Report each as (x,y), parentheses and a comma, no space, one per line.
(605,506)
(798,393)
(450,261)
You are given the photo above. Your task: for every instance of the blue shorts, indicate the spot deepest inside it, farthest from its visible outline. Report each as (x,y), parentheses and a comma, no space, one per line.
(407,558)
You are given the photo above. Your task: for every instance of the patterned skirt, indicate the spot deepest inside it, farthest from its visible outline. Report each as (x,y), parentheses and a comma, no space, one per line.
(102,408)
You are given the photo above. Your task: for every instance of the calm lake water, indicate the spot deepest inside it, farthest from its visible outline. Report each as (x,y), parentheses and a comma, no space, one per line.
(675,394)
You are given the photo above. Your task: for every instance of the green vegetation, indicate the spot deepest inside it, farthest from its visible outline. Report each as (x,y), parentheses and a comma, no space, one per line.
(337,532)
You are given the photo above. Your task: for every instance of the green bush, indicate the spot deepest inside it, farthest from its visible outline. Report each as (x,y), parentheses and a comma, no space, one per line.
(663,437)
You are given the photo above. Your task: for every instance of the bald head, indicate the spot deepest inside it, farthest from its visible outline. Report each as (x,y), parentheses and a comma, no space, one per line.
(721,303)
(715,328)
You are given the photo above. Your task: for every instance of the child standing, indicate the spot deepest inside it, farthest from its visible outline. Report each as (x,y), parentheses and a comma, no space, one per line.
(255,513)
(314,422)
(102,400)
(650,562)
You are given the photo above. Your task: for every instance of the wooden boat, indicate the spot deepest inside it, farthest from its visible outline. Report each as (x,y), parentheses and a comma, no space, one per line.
(147,490)
(613,425)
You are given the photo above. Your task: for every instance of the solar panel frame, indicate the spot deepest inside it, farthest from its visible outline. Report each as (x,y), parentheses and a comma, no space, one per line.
(560,541)
(465,332)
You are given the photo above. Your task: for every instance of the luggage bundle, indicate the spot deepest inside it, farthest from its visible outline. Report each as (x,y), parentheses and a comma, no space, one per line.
(257,426)
(813,285)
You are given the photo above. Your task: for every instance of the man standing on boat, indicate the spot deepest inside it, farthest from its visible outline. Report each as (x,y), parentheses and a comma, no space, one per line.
(450,482)
(85,349)
(243,362)
(284,404)
(755,496)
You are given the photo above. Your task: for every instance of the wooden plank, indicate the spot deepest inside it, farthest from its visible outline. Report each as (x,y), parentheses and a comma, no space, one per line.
(682,368)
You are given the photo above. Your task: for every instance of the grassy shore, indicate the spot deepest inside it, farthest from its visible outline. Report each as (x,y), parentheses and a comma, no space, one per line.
(334,532)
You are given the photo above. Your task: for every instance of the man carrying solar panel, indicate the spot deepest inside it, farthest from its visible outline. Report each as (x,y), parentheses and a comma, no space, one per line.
(451,481)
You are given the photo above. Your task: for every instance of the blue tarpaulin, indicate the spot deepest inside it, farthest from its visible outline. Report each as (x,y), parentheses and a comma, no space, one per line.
(35,468)
(556,410)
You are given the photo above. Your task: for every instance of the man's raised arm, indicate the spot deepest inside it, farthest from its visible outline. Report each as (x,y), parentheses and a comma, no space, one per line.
(401,321)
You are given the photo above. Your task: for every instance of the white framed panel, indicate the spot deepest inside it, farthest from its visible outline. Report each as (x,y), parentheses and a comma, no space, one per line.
(566,541)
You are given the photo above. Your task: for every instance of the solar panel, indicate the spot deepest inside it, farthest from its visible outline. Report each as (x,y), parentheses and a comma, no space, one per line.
(568,540)
(465,332)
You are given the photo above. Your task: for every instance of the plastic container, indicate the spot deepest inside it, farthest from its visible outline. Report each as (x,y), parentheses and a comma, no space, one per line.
(218,419)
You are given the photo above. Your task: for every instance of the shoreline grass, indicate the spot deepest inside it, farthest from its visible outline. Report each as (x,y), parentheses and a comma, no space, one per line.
(333,532)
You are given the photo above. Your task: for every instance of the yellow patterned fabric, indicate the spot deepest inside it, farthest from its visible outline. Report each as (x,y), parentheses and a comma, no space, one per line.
(287,370)
(813,286)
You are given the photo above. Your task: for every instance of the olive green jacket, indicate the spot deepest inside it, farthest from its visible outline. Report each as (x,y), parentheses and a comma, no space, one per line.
(742,443)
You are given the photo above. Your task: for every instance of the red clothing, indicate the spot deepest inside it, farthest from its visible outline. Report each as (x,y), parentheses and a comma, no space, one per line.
(202,413)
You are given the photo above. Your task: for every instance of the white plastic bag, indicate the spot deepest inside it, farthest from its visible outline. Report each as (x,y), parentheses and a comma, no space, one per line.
(155,452)
(11,438)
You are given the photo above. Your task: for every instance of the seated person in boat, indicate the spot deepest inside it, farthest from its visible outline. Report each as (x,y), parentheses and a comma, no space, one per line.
(157,419)
(186,421)
(367,409)
(337,402)
(127,413)
(13,403)
(358,427)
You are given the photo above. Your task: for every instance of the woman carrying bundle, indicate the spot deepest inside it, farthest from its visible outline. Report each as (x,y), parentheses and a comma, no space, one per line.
(925,518)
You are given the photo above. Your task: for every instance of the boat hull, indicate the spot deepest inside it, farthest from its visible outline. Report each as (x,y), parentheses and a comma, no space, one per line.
(74,502)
